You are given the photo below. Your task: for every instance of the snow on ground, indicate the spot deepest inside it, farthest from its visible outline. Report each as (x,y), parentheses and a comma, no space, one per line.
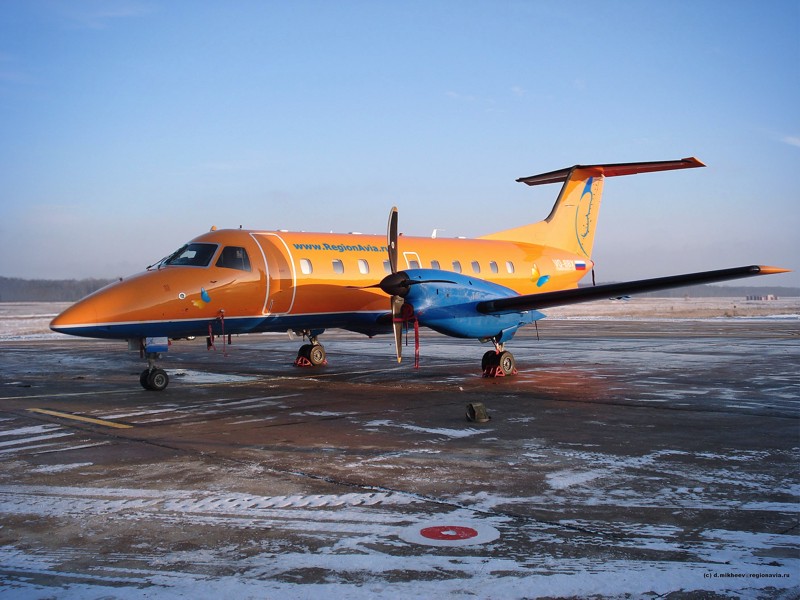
(353,533)
(439,432)
(28,320)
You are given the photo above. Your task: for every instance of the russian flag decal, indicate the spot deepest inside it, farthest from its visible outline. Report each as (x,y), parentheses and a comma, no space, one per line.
(580,265)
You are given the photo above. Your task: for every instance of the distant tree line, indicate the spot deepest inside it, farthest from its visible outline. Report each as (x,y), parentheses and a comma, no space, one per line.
(47,290)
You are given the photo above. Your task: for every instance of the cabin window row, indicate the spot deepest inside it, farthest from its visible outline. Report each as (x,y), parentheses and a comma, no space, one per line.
(307,268)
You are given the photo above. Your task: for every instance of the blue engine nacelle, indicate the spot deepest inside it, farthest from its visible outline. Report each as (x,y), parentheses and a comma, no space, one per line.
(447,302)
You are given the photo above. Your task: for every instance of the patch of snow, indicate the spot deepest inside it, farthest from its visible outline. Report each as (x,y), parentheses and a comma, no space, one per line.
(453,433)
(60,468)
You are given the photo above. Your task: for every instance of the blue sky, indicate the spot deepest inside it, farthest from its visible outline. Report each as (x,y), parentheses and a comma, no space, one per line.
(129,127)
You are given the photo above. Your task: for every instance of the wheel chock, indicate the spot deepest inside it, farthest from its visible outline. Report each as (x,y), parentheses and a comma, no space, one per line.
(497,372)
(476,413)
(302,361)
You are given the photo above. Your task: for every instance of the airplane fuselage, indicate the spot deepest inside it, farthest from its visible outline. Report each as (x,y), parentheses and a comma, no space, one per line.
(243,281)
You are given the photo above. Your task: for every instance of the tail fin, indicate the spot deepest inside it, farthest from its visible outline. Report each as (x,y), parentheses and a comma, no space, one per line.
(572,222)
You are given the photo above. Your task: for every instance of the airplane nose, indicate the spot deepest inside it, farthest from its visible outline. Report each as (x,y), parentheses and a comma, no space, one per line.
(145,305)
(101,313)
(80,318)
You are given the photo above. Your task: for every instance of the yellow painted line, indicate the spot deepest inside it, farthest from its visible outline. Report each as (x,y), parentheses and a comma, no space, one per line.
(39,396)
(53,413)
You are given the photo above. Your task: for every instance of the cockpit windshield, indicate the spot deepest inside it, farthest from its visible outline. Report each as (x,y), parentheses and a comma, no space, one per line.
(192,255)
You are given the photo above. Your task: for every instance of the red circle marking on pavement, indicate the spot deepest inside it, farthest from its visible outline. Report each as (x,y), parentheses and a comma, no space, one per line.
(444,532)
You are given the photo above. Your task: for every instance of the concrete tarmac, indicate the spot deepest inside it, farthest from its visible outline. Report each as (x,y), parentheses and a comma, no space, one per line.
(627,458)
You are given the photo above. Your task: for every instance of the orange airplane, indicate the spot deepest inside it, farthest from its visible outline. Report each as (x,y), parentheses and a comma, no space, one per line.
(242,281)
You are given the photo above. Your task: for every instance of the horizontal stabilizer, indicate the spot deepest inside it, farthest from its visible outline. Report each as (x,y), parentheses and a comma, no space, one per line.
(613,170)
(614,290)
(571,224)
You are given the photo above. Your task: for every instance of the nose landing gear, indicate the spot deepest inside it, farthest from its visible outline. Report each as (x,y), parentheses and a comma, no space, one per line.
(153,378)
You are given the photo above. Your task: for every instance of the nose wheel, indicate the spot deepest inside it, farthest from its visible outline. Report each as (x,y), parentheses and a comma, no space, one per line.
(154,379)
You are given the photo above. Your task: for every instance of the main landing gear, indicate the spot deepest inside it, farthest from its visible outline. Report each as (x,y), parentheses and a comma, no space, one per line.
(498,362)
(311,355)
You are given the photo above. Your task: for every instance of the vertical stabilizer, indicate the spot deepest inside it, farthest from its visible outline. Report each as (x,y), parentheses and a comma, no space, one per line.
(572,222)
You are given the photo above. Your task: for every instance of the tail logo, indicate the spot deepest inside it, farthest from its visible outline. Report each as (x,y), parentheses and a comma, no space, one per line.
(583,215)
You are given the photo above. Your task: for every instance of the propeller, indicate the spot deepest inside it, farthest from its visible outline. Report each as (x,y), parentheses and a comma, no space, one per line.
(393,283)
(396,285)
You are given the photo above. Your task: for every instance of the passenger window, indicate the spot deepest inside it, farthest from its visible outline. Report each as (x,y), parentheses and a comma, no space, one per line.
(233,257)
(413,264)
(306,268)
(476,266)
(456,266)
(493,267)
(338,266)
(435,264)
(363,266)
(509,266)
(387,267)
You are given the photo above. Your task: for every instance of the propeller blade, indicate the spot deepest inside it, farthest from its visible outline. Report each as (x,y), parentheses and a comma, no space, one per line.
(397,325)
(397,300)
(391,239)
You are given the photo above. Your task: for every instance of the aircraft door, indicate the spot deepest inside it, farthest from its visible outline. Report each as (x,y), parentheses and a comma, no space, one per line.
(281,278)
(412,260)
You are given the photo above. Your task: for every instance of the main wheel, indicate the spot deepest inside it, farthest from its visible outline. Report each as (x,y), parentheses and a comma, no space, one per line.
(507,362)
(316,355)
(157,380)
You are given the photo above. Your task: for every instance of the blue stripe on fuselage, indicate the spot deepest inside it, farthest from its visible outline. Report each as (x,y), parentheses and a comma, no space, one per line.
(366,323)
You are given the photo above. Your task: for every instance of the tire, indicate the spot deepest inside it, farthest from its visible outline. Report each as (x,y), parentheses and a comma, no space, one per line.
(316,355)
(143,379)
(304,351)
(507,363)
(489,360)
(157,380)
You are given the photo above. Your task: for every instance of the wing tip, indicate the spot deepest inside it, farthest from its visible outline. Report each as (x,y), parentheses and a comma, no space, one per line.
(693,162)
(767,270)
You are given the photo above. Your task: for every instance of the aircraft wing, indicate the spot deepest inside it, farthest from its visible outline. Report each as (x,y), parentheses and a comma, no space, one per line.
(612,290)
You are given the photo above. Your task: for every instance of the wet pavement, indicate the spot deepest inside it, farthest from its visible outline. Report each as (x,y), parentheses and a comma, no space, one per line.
(651,458)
